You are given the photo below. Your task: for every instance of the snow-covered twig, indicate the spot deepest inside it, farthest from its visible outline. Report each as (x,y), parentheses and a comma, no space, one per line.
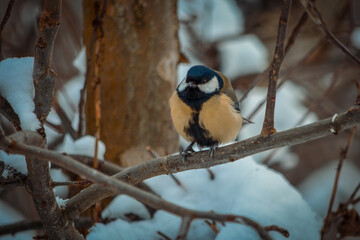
(268,125)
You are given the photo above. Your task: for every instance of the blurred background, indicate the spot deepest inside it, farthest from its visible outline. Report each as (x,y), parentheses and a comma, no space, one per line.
(238,38)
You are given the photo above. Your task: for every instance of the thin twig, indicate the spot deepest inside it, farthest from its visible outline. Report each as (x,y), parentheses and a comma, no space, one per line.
(82,183)
(316,17)
(97,30)
(7,15)
(352,199)
(343,155)
(65,121)
(290,72)
(3,23)
(268,125)
(310,109)
(288,46)
(278,229)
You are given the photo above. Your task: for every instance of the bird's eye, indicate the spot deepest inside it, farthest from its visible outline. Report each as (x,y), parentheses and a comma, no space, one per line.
(203,81)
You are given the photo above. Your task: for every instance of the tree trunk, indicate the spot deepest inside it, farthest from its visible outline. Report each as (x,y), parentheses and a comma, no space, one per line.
(137,55)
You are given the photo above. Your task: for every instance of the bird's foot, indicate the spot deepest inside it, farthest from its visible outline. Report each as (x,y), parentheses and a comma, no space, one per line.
(212,151)
(186,152)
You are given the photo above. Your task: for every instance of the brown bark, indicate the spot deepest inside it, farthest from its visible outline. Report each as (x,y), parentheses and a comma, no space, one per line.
(139,52)
(55,223)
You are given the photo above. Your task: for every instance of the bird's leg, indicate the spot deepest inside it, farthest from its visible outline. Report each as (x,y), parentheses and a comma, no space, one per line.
(212,151)
(186,152)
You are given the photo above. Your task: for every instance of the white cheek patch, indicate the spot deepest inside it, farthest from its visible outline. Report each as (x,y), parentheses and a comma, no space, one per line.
(182,85)
(211,86)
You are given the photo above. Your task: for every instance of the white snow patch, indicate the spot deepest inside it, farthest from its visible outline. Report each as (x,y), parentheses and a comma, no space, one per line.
(15,161)
(57,175)
(61,202)
(83,146)
(243,188)
(16,85)
(121,205)
(243,56)
(333,118)
(215,19)
(355,37)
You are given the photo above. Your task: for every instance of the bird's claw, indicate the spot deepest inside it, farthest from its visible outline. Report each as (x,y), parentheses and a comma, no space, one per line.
(212,151)
(187,152)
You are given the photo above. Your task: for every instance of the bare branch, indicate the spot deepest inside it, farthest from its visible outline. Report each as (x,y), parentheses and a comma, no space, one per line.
(316,17)
(7,15)
(4,21)
(288,46)
(343,155)
(97,24)
(44,77)
(56,225)
(289,73)
(268,125)
(65,121)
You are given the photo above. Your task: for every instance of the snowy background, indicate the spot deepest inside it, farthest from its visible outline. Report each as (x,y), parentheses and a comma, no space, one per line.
(245,187)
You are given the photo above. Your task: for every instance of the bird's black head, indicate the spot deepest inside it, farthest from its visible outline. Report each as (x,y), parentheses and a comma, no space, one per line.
(200,84)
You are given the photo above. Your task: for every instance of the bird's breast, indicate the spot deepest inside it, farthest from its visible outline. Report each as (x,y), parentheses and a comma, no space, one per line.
(220,118)
(216,122)
(181,115)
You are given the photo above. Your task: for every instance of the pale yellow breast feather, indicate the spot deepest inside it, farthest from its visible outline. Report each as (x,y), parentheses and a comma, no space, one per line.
(220,118)
(181,115)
